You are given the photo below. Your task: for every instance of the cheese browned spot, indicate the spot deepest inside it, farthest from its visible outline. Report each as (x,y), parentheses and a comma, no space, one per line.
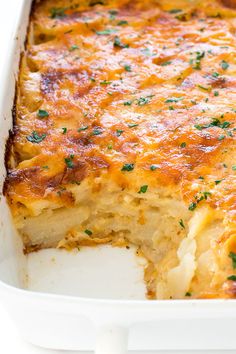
(125,133)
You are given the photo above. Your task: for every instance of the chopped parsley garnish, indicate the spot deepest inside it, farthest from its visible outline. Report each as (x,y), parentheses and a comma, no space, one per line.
(144,100)
(165,63)
(232,277)
(69,161)
(35,137)
(215,74)
(204,196)
(105,82)
(122,23)
(143,189)
(82,128)
(88,232)
(175,11)
(221,137)
(117,43)
(196,63)
(58,12)
(173,99)
(127,68)
(128,167)
(128,103)
(183,145)
(153,167)
(64,130)
(113,14)
(224,65)
(42,113)
(106,32)
(97,131)
(92,79)
(234,167)
(188,293)
(215,123)
(73,47)
(132,125)
(119,132)
(232,255)
(182,223)
(45,167)
(192,206)
(203,87)
(218,181)
(216,93)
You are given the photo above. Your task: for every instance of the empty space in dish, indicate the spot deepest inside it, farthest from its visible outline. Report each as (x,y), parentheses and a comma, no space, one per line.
(99,272)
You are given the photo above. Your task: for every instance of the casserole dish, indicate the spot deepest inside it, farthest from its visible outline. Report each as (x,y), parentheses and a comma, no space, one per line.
(73,322)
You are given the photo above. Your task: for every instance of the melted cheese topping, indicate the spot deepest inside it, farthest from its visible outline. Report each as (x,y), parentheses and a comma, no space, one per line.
(140,94)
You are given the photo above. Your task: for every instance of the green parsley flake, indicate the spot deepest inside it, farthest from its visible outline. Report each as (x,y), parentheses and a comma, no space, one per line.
(127,68)
(144,100)
(105,82)
(224,65)
(106,32)
(182,223)
(215,75)
(64,130)
(143,189)
(88,232)
(36,138)
(165,63)
(234,167)
(69,161)
(232,255)
(183,145)
(119,132)
(218,181)
(97,131)
(132,125)
(188,293)
(197,61)
(58,12)
(73,47)
(175,11)
(42,113)
(232,277)
(122,23)
(173,99)
(82,128)
(192,206)
(128,167)
(153,167)
(117,43)
(128,103)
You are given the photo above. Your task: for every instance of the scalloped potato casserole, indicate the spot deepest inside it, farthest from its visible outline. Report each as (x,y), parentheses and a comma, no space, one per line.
(124,133)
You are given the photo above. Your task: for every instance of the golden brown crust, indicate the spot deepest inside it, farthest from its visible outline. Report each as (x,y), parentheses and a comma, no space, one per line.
(129,83)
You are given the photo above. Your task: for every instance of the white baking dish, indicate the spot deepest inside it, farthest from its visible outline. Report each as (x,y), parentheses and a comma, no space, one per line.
(68,305)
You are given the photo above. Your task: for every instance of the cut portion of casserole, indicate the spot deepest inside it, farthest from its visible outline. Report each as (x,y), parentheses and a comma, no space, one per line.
(125,133)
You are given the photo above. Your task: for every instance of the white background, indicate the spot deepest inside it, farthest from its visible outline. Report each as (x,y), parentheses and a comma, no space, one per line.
(10,341)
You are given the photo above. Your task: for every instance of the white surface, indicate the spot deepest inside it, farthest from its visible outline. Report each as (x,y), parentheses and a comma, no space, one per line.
(79,273)
(11,342)
(18,303)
